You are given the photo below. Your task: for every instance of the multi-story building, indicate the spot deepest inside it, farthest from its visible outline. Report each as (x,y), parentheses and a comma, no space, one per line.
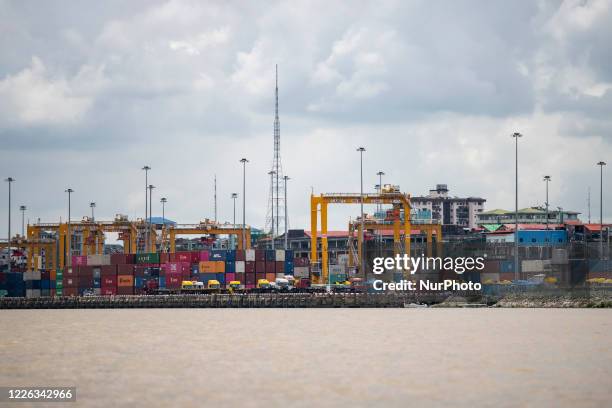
(449,210)
(531,215)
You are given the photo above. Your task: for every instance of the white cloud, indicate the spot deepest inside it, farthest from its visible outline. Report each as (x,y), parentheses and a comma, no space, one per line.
(34,97)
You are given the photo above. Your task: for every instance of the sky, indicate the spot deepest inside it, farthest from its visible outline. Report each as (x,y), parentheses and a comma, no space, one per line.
(90,92)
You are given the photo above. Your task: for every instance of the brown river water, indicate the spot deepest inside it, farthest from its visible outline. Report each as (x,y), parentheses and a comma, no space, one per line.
(312,357)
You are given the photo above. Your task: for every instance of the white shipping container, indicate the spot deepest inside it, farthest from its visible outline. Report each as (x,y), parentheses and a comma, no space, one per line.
(31,275)
(32,293)
(98,259)
(240,266)
(535,265)
(280,254)
(337,269)
(280,276)
(249,255)
(301,272)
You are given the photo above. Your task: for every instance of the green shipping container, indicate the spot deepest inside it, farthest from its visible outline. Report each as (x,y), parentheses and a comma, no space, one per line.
(3,293)
(147,258)
(59,292)
(59,284)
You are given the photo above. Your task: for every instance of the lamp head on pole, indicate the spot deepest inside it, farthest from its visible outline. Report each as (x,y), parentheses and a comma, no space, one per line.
(92,205)
(601,163)
(234,195)
(517,135)
(22,208)
(163,200)
(547,178)
(361,149)
(380,173)
(9,179)
(244,160)
(151,186)
(146,168)
(286,178)
(69,191)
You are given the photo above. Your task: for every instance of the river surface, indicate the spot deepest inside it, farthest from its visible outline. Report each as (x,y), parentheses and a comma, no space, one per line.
(313,357)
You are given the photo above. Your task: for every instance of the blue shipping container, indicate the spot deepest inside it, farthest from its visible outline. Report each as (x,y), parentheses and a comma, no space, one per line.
(231,255)
(218,255)
(230,266)
(289,255)
(45,284)
(288,267)
(162,282)
(97,283)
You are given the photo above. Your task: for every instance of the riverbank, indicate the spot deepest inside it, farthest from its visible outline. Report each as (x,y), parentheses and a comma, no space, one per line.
(576,298)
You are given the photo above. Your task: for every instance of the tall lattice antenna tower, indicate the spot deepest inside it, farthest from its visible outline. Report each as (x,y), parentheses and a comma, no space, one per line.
(275,217)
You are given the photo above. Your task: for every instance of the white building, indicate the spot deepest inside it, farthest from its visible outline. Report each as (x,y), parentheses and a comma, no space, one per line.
(450,210)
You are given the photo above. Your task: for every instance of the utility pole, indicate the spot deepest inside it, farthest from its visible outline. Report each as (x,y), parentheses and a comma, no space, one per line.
(9,180)
(146,233)
(215,198)
(244,161)
(589,202)
(517,267)
(234,197)
(23,209)
(272,173)
(69,261)
(601,164)
(92,205)
(163,202)
(151,187)
(286,178)
(361,261)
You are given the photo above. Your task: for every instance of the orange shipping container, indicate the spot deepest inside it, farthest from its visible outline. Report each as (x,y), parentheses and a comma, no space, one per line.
(271,277)
(208,266)
(125,280)
(53,274)
(220,268)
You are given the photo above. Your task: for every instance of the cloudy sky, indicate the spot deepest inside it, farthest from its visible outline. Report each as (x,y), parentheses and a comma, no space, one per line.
(92,91)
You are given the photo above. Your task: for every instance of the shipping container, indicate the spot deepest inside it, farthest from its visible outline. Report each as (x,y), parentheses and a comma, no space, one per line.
(109,290)
(205,277)
(249,255)
(71,282)
(488,277)
(240,255)
(301,262)
(208,266)
(109,280)
(280,255)
(259,276)
(45,275)
(230,277)
(125,269)
(260,266)
(230,266)
(86,281)
(125,290)
(204,256)
(270,255)
(249,278)
(70,291)
(185,257)
(249,266)
(98,259)
(97,271)
(220,267)
(260,255)
(289,267)
(173,280)
(301,271)
(289,255)
(271,277)
(240,267)
(504,276)
(79,260)
(125,280)
(279,267)
(109,270)
(231,255)
(218,255)
(147,258)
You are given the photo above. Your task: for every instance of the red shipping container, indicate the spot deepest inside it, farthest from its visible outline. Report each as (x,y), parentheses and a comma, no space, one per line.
(204,256)
(125,290)
(70,271)
(260,266)
(70,291)
(240,277)
(506,276)
(173,280)
(163,257)
(240,255)
(249,266)
(140,291)
(260,255)
(139,271)
(301,262)
(249,278)
(270,267)
(182,257)
(45,275)
(85,271)
(86,281)
(118,259)
(152,284)
(279,267)
(259,276)
(108,270)
(108,281)
(125,269)
(70,282)
(109,290)
(250,286)
(230,277)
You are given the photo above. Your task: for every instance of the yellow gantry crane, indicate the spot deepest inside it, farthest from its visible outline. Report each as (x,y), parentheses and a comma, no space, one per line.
(206,228)
(318,204)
